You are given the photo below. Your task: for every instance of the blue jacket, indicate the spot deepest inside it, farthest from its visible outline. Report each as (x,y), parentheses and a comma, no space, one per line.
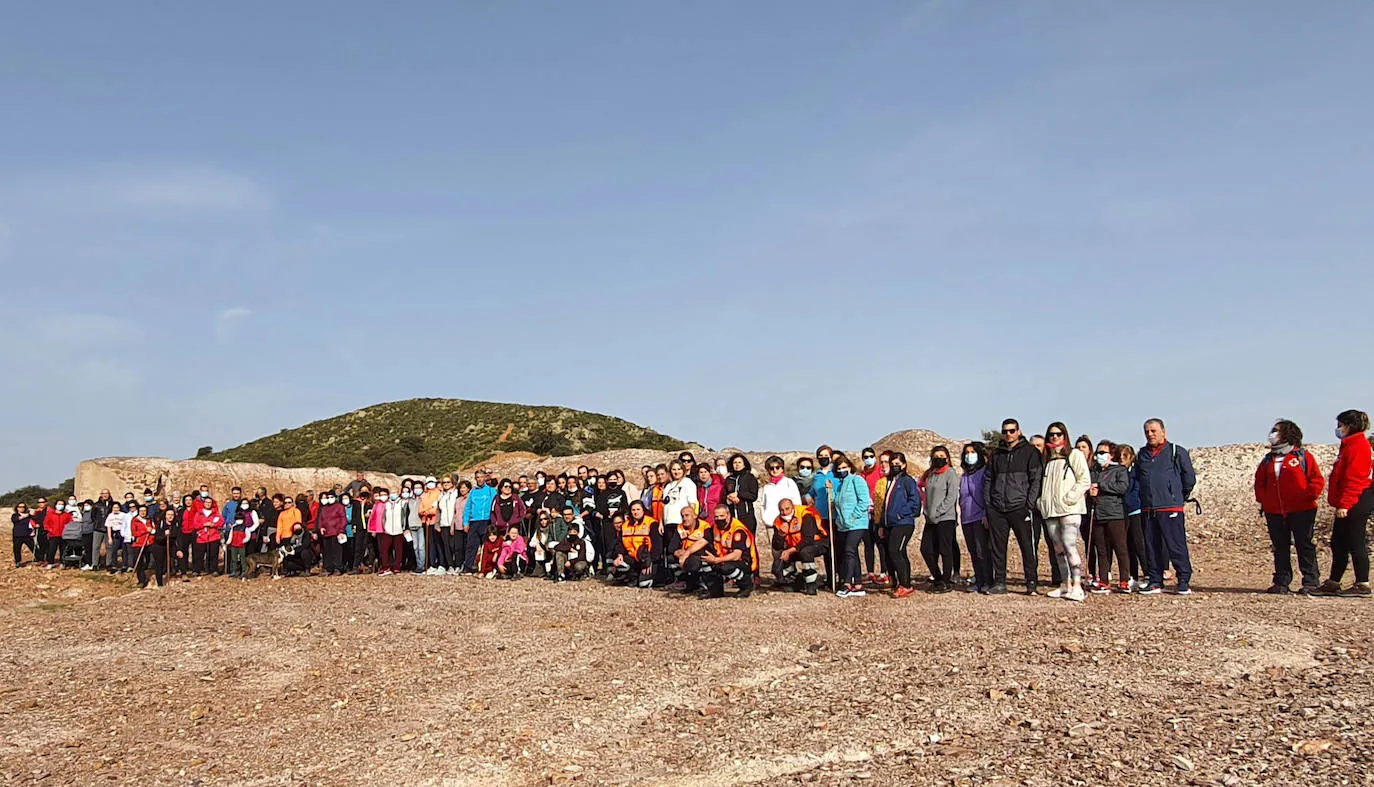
(851,503)
(1165,481)
(1133,495)
(479,504)
(819,493)
(903,502)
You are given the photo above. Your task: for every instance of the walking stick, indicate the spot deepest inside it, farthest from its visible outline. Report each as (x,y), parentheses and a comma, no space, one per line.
(834,568)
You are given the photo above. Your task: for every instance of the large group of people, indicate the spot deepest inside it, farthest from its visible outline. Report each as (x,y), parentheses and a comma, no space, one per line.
(1113,518)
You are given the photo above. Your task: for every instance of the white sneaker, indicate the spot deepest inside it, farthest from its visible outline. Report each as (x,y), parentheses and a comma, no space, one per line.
(1058,592)
(1076,593)
(440,571)
(85,568)
(857,593)
(385,573)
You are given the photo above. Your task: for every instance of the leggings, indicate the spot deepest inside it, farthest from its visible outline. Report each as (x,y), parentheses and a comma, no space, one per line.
(939,547)
(1350,542)
(976,539)
(849,560)
(898,537)
(19,543)
(1109,538)
(1135,546)
(1064,537)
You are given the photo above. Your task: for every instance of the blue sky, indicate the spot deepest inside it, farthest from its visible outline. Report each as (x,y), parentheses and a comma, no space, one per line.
(767,224)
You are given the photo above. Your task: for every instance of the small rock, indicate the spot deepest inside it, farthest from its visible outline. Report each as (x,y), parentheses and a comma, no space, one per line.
(1182,763)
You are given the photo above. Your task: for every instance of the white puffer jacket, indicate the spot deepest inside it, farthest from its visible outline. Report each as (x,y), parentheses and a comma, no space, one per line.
(1065,482)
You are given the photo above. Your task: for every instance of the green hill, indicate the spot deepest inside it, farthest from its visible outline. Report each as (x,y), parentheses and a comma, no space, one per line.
(430,436)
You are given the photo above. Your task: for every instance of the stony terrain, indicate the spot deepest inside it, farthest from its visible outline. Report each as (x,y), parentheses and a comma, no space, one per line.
(449,680)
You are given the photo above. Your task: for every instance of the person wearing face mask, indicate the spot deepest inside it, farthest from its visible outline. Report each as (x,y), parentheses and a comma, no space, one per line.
(732,556)
(1352,495)
(508,509)
(355,547)
(777,487)
(611,502)
(1288,488)
(385,525)
(478,514)
(806,473)
(1066,481)
(972,514)
(21,533)
(85,537)
(445,529)
(1135,524)
(332,524)
(823,483)
(849,499)
(53,524)
(429,519)
(939,544)
(901,506)
(710,488)
(1110,535)
(875,548)
(415,530)
(209,530)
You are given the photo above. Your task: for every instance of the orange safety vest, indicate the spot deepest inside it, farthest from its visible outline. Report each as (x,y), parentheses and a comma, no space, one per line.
(792,531)
(725,543)
(656,503)
(695,534)
(636,536)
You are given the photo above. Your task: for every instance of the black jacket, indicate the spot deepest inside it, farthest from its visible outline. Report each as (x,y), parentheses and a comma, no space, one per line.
(1012,481)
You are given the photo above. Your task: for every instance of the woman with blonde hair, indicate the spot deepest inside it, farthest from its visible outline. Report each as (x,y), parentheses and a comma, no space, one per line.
(1066,480)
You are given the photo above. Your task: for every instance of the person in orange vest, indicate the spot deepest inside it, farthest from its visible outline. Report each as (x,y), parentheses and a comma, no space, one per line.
(733,557)
(688,542)
(799,538)
(639,549)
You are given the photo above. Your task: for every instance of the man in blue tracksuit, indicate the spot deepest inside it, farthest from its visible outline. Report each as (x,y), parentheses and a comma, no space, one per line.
(478,517)
(1165,477)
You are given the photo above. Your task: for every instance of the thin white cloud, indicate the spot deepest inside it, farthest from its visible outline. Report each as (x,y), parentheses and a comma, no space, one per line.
(160,191)
(227,322)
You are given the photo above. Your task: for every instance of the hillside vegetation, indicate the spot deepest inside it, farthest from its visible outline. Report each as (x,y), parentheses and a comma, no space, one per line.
(419,436)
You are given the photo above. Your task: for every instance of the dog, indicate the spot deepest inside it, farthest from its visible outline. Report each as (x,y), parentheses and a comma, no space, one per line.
(271,559)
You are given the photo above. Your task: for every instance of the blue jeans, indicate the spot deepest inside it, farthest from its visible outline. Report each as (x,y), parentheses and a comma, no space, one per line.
(1166,541)
(418,543)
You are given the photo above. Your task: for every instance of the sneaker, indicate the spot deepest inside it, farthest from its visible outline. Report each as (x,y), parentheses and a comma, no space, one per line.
(903,592)
(1059,592)
(384,573)
(1099,588)
(1000,589)
(1328,588)
(1183,590)
(85,568)
(1278,590)
(941,587)
(842,593)
(1139,584)
(1357,590)
(972,588)
(1152,590)
(1076,593)
(440,572)
(857,592)
(881,579)
(1124,587)
(1307,590)
(1033,589)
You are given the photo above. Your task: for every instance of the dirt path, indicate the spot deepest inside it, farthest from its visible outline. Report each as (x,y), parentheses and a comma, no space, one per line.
(444,680)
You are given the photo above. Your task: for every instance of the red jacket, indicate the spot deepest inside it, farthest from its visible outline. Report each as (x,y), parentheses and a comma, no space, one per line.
(1350,474)
(211,527)
(1296,488)
(56,522)
(191,520)
(142,532)
(332,521)
(710,496)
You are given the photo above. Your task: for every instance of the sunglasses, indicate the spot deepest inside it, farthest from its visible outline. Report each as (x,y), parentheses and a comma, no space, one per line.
(1054,434)
(1010,431)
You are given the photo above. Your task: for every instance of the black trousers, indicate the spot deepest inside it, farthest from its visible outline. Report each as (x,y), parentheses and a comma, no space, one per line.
(742,573)
(898,561)
(1287,531)
(939,548)
(1001,525)
(817,550)
(849,557)
(87,541)
(477,533)
(1135,546)
(1350,542)
(185,545)
(873,541)
(976,539)
(52,551)
(333,553)
(19,543)
(206,557)
(155,557)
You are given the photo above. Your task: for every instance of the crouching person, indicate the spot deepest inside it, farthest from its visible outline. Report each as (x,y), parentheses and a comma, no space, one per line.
(688,542)
(639,549)
(512,560)
(573,555)
(799,540)
(734,557)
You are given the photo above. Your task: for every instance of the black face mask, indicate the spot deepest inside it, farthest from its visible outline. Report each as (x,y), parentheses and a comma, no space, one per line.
(939,462)
(722,523)
(897,470)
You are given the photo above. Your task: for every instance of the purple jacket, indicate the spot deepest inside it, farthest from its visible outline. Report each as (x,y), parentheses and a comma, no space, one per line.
(971,497)
(517,513)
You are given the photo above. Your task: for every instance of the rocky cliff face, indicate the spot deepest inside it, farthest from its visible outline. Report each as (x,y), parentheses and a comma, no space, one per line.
(169,476)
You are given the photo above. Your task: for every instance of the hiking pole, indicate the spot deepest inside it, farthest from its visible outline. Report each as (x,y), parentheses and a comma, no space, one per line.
(830,505)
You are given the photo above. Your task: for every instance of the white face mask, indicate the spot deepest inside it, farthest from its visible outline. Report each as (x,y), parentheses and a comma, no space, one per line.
(60,506)
(970,459)
(85,508)
(1274,438)
(430,485)
(381,498)
(720,470)
(787,517)
(405,495)
(1103,459)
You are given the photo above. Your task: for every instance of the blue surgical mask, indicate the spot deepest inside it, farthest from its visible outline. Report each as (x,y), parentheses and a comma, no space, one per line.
(870,461)
(806,472)
(1340,433)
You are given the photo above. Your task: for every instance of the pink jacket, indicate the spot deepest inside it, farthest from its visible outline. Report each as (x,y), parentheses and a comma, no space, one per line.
(710,496)
(511,549)
(377,522)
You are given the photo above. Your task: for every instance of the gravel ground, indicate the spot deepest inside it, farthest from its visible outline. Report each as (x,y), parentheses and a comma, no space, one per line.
(453,680)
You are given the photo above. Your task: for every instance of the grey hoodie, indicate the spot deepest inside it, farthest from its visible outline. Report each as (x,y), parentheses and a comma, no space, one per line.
(942,496)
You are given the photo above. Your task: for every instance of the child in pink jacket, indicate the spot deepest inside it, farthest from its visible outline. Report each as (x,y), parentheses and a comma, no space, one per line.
(511,562)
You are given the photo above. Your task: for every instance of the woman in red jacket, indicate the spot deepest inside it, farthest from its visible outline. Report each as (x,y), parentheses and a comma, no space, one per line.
(1352,496)
(1288,484)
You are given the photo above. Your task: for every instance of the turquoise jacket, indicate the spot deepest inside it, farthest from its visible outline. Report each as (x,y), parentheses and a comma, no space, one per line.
(819,493)
(851,503)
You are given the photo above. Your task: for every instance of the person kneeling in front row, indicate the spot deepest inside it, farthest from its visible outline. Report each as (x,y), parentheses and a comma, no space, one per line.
(799,538)
(734,557)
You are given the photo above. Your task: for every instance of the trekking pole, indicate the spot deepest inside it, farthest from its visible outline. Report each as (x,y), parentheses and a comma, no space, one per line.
(1092,525)
(834,568)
